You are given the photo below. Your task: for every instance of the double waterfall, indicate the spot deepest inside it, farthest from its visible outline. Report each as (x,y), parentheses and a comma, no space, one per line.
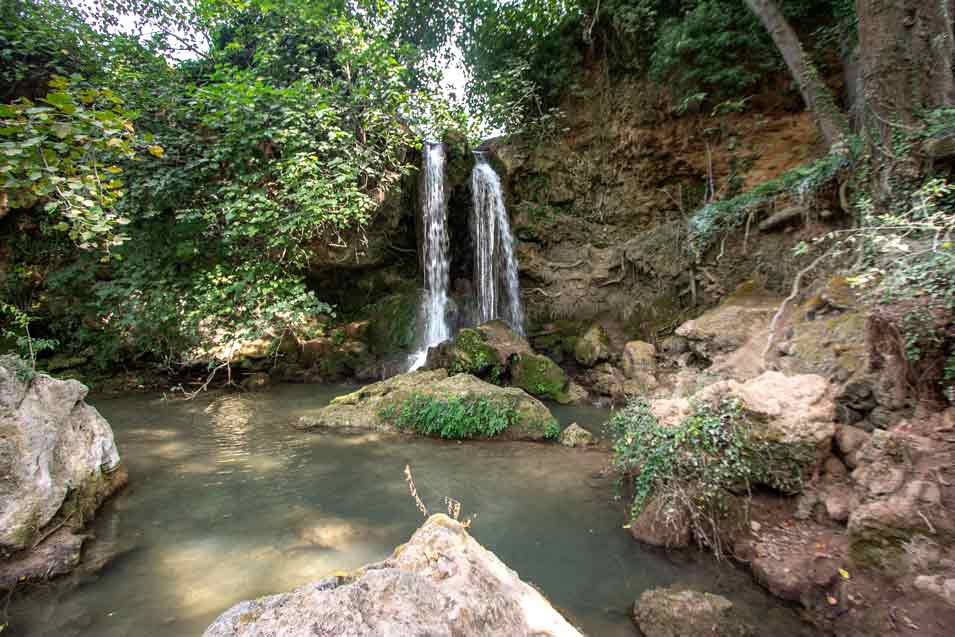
(495,265)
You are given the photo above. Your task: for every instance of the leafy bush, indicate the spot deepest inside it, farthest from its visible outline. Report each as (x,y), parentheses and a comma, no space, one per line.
(452,416)
(696,466)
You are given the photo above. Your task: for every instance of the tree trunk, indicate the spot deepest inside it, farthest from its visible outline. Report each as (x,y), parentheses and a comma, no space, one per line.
(905,54)
(905,58)
(829,117)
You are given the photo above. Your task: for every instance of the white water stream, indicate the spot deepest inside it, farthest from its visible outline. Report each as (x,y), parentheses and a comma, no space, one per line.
(434,303)
(495,265)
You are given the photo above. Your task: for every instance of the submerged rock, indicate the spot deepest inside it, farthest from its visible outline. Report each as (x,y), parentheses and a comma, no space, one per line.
(676,612)
(441,583)
(367,409)
(58,463)
(576,436)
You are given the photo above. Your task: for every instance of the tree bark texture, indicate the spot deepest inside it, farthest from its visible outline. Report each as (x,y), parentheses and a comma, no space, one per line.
(817,96)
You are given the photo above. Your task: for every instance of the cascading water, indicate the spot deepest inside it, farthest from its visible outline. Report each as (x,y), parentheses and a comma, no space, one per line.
(495,266)
(434,249)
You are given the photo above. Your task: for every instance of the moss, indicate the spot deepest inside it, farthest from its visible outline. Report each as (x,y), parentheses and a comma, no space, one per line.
(540,376)
(878,545)
(473,355)
(393,320)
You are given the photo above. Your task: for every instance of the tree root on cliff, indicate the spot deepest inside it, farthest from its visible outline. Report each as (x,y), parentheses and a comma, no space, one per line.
(797,282)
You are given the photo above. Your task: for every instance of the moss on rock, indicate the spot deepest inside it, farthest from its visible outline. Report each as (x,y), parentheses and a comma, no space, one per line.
(392,323)
(540,376)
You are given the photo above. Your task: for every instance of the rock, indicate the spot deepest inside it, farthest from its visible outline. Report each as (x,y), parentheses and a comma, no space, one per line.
(593,347)
(256,381)
(792,413)
(540,376)
(678,612)
(834,469)
(785,217)
(883,418)
(639,360)
(879,530)
(576,395)
(849,442)
(505,341)
(941,146)
(576,436)
(939,585)
(58,461)
(364,410)
(839,503)
(441,583)
(358,330)
(472,353)
(392,324)
(662,524)
(731,324)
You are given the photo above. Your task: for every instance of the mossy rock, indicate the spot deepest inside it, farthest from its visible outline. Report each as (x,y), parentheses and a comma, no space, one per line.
(540,376)
(593,347)
(472,355)
(392,323)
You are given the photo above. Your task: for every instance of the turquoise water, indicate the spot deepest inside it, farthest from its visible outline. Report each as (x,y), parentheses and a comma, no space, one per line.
(227,501)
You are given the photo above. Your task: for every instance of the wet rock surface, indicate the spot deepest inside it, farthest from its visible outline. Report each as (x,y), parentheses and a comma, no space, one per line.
(678,612)
(442,582)
(58,463)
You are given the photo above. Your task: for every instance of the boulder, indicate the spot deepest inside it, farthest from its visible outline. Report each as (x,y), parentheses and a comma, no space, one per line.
(593,347)
(791,413)
(58,462)
(849,442)
(441,583)
(576,436)
(745,312)
(540,376)
(366,409)
(940,585)
(639,360)
(662,524)
(679,612)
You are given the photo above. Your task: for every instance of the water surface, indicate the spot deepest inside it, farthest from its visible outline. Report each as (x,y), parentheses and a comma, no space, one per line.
(227,501)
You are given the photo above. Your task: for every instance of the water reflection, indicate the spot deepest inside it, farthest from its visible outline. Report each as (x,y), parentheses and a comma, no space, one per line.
(228,502)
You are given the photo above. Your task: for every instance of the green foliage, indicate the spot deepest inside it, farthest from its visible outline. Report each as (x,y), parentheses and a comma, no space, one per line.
(716,218)
(695,466)
(452,416)
(212,180)
(65,152)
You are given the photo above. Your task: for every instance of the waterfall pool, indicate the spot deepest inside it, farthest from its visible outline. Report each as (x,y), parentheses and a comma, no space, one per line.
(226,502)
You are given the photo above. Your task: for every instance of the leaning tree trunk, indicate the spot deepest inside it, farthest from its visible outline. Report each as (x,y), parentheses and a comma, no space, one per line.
(829,117)
(905,58)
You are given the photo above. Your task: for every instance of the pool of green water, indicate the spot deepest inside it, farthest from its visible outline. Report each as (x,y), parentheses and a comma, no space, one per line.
(227,501)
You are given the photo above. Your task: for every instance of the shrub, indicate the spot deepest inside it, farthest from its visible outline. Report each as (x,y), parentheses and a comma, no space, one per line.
(452,416)
(696,466)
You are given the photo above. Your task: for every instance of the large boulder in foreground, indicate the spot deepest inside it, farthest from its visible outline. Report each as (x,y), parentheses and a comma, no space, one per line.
(368,408)
(441,583)
(679,612)
(58,463)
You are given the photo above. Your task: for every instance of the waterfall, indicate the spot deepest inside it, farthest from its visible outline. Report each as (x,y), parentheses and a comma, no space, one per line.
(495,266)
(434,249)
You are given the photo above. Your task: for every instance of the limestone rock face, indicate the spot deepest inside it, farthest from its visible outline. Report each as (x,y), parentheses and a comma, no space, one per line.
(56,452)
(675,612)
(364,409)
(441,583)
